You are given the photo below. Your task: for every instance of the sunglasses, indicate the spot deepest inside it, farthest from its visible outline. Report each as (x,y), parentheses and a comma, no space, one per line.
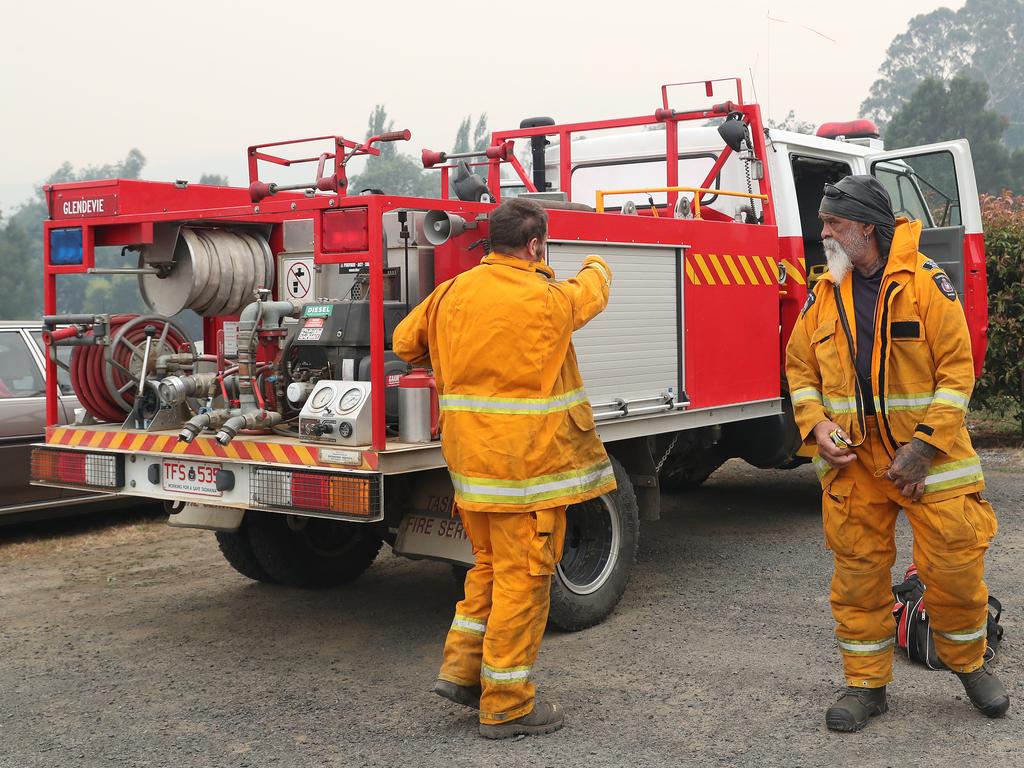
(832,192)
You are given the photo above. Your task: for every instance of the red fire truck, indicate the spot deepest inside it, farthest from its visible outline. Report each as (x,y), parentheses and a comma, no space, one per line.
(293,431)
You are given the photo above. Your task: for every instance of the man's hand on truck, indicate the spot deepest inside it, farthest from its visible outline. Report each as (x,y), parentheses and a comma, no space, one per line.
(828,448)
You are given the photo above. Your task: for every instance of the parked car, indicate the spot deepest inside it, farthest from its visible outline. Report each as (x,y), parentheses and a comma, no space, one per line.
(23,422)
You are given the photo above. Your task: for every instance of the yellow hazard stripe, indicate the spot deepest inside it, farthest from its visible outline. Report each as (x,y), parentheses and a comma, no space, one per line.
(708,277)
(794,272)
(746,268)
(718,269)
(733,269)
(691,275)
(761,270)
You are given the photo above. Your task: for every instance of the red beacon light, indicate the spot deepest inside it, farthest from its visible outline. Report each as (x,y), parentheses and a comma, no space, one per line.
(851,129)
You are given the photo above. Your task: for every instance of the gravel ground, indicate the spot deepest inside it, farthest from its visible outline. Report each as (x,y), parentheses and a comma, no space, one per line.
(136,645)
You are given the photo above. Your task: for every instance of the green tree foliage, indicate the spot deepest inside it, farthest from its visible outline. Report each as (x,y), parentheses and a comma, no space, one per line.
(1003,378)
(214,179)
(982,39)
(21,283)
(21,254)
(938,111)
(392,172)
(480,135)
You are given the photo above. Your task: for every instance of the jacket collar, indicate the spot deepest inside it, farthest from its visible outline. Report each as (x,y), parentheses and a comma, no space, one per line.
(505,260)
(902,252)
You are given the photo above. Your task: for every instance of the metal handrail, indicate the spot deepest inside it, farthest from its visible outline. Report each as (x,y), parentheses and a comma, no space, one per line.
(697,192)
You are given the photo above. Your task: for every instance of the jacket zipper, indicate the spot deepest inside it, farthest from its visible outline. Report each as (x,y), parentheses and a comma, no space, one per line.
(882,365)
(858,394)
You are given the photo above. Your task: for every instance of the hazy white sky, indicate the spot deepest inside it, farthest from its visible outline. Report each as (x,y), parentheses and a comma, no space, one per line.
(191,83)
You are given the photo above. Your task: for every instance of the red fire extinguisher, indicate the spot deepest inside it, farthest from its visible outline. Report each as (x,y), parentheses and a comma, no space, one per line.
(418,407)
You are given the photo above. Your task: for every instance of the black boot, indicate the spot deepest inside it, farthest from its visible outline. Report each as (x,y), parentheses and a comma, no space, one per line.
(855,707)
(985,691)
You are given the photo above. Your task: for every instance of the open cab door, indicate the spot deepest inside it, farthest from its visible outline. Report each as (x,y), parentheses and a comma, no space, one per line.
(935,184)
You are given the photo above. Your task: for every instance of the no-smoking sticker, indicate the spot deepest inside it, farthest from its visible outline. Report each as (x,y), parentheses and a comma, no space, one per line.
(298,281)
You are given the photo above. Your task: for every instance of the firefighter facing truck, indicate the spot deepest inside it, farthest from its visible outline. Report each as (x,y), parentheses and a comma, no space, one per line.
(520,444)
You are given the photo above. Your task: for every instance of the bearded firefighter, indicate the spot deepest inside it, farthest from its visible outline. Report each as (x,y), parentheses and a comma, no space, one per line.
(880,375)
(517,433)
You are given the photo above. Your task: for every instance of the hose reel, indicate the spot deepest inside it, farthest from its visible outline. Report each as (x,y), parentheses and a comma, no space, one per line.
(105,376)
(213,272)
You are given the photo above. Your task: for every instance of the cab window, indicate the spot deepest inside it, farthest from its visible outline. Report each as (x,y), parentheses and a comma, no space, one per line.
(922,187)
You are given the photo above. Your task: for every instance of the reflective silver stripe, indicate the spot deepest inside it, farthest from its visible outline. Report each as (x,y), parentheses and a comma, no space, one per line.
(468,625)
(513,405)
(953,474)
(506,676)
(905,402)
(952,397)
(821,467)
(805,393)
(865,647)
(841,404)
(967,635)
(602,270)
(523,491)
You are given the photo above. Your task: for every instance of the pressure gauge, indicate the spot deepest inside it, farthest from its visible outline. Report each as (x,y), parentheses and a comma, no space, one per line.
(322,398)
(350,400)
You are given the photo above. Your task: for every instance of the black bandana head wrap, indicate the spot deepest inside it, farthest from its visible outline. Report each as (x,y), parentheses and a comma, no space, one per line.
(862,198)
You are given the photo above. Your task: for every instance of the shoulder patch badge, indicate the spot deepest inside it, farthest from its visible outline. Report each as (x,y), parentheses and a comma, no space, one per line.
(811,297)
(929,264)
(945,285)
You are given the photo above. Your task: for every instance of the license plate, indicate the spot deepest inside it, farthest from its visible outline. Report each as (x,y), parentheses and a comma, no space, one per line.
(195,477)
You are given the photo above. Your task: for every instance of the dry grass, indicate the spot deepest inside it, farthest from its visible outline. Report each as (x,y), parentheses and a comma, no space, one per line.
(74,535)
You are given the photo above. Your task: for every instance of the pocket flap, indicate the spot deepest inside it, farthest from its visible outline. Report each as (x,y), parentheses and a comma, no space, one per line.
(582,416)
(841,486)
(823,331)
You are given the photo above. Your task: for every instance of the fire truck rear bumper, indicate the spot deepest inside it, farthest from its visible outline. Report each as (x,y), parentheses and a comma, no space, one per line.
(337,494)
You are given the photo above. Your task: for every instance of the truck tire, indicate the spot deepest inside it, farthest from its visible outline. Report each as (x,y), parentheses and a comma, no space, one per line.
(235,547)
(601,540)
(311,552)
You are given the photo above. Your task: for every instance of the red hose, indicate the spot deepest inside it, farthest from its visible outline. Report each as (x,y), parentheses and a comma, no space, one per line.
(88,367)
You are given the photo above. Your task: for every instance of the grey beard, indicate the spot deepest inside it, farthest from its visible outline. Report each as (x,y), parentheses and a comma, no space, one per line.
(839,262)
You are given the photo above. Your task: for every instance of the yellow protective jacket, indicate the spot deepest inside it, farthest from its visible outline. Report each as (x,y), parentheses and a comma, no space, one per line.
(922,374)
(517,430)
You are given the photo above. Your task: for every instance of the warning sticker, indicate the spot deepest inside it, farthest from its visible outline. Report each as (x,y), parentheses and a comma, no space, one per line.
(315,322)
(298,281)
(310,334)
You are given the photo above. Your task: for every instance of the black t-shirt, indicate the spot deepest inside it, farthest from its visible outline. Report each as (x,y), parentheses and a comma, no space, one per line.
(865,300)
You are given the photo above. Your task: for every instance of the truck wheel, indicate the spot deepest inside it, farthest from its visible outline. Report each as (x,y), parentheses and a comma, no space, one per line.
(235,547)
(601,540)
(311,552)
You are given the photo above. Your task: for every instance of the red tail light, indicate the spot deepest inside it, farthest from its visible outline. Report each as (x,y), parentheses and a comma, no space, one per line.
(93,470)
(345,230)
(346,495)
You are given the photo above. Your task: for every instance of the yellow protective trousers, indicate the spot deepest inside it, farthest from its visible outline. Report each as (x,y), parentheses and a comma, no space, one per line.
(859,510)
(498,625)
